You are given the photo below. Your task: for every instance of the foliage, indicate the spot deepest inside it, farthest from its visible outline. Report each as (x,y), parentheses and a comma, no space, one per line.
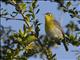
(28,42)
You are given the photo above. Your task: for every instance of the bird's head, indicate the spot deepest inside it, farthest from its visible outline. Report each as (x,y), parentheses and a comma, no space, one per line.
(49,16)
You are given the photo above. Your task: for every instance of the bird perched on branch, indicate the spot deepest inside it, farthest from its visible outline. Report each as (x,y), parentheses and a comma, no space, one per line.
(53,30)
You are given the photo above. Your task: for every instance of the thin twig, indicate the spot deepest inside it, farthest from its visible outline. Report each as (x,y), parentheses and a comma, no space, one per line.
(12,18)
(25,20)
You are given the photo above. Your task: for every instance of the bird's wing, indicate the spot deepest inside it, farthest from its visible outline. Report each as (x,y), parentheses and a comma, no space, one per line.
(58,26)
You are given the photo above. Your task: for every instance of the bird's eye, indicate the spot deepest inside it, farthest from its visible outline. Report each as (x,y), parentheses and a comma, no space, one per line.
(49,14)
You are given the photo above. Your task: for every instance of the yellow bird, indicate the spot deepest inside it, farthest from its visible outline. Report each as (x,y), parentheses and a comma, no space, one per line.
(53,30)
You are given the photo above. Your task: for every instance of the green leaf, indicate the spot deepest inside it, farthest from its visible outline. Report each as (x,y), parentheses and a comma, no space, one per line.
(72,16)
(76,12)
(72,37)
(24,28)
(30,39)
(33,15)
(23,58)
(28,17)
(18,38)
(34,4)
(71,11)
(79,57)
(20,31)
(78,16)
(30,9)
(22,6)
(72,26)
(78,32)
(68,4)
(37,11)
(21,34)
(76,43)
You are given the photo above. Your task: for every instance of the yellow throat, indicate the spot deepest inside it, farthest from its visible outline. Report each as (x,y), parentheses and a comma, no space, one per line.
(49,21)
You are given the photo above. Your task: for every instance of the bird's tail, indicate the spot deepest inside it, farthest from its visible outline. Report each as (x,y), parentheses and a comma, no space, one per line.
(64,43)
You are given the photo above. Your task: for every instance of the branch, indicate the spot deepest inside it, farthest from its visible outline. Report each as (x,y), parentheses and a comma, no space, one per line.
(7,18)
(47,51)
(49,54)
(25,20)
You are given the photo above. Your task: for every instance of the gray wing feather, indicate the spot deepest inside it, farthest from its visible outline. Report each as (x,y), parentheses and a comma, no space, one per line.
(58,26)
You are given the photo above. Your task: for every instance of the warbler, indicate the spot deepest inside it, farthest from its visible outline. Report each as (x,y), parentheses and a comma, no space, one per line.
(53,30)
